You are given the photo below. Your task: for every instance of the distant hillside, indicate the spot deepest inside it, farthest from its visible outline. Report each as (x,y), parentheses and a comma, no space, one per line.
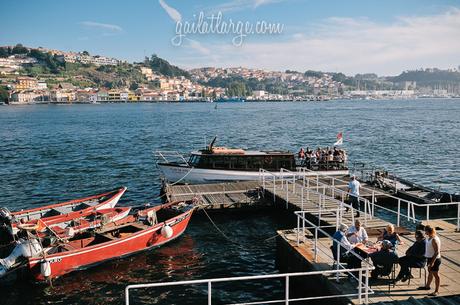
(163,67)
(47,63)
(123,75)
(428,77)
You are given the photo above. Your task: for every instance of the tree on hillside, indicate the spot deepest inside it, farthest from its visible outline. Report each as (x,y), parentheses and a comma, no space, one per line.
(164,67)
(133,86)
(3,94)
(313,73)
(20,49)
(5,52)
(238,89)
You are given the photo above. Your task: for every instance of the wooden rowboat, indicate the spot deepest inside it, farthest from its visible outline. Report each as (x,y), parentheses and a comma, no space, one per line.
(101,201)
(31,240)
(143,229)
(66,226)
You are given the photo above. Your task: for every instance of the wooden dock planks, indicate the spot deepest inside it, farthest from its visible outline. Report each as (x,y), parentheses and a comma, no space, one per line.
(449,271)
(218,195)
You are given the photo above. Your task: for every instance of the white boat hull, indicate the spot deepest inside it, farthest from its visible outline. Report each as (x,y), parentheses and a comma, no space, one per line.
(112,202)
(185,174)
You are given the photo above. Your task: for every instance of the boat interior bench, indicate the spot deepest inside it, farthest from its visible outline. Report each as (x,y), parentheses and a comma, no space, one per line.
(126,228)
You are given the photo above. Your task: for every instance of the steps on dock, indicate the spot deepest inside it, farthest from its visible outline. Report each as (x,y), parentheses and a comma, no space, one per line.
(329,206)
(448,300)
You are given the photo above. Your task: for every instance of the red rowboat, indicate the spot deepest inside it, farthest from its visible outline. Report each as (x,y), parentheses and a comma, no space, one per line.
(30,241)
(141,230)
(105,200)
(66,226)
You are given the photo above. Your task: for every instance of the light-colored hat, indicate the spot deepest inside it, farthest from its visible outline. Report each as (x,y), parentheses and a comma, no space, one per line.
(343,227)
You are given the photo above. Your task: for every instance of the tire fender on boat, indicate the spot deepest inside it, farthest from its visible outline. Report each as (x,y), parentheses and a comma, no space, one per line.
(166,231)
(45,268)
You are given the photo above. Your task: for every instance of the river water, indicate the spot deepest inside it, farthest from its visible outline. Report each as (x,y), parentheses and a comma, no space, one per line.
(51,153)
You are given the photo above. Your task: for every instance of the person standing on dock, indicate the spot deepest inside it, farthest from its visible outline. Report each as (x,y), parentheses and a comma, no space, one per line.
(433,256)
(353,190)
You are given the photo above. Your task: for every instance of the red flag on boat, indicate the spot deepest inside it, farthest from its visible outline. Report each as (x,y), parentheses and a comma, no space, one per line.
(339,139)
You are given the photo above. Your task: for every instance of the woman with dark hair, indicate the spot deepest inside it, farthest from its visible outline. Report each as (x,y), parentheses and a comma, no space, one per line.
(415,257)
(433,256)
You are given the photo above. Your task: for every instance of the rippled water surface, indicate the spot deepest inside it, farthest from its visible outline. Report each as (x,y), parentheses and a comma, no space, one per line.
(53,153)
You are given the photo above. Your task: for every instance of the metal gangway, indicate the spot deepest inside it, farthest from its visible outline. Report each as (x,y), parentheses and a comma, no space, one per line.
(302,182)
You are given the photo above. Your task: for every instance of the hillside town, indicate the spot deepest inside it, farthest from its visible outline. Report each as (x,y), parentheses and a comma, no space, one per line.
(52,76)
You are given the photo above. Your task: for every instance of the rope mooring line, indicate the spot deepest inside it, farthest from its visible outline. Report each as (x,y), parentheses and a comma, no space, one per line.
(230,239)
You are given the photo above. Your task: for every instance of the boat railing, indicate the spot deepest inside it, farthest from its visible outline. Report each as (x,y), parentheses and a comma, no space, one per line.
(324,165)
(169,157)
(316,229)
(306,189)
(405,208)
(363,290)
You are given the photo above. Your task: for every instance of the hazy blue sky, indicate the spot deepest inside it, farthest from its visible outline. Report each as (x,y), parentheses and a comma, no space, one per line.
(385,37)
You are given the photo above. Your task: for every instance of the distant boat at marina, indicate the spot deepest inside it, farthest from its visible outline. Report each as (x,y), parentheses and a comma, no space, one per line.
(230,100)
(411,191)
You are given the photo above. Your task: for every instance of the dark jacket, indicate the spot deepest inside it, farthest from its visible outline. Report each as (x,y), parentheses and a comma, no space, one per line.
(384,260)
(417,249)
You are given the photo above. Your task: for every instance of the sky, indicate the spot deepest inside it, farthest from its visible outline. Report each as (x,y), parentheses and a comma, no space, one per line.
(355,36)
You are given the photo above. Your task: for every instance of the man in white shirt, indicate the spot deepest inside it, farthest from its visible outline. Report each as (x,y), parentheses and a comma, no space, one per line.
(357,234)
(353,190)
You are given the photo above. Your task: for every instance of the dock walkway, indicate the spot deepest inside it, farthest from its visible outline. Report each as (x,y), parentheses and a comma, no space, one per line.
(325,209)
(218,195)
(449,271)
(321,201)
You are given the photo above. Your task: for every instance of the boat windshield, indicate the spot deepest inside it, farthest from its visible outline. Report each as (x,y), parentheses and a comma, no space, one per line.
(243,162)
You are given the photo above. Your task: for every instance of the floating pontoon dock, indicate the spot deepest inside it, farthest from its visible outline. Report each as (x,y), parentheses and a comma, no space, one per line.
(320,205)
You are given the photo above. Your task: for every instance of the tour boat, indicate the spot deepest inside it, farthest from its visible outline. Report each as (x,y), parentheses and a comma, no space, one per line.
(141,230)
(101,201)
(220,164)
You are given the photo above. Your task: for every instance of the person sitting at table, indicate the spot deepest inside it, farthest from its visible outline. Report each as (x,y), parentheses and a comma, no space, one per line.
(383,260)
(390,234)
(357,234)
(339,237)
(415,257)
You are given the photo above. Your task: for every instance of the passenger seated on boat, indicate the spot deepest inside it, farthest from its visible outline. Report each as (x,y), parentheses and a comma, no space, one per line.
(344,156)
(383,260)
(302,153)
(313,159)
(390,234)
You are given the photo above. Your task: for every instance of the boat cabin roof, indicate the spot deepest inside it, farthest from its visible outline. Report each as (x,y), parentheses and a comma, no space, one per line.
(223,151)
